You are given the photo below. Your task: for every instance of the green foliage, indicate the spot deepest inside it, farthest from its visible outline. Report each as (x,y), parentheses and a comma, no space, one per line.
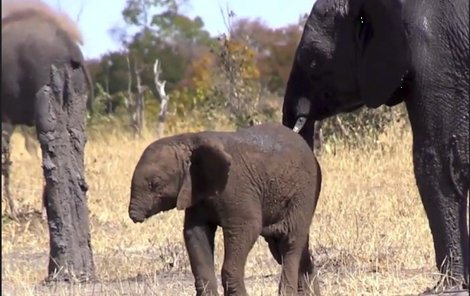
(234,80)
(362,127)
(111,72)
(181,28)
(274,50)
(137,12)
(162,33)
(145,48)
(236,89)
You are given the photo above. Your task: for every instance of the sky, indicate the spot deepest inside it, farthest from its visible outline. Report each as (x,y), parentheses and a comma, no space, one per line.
(99,16)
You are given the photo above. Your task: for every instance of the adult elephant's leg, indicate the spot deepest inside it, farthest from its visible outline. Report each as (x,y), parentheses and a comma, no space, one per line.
(29,142)
(7,131)
(441,164)
(199,241)
(238,241)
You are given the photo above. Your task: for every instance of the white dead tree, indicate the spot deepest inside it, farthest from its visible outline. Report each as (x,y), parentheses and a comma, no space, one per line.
(139,112)
(160,86)
(135,102)
(128,100)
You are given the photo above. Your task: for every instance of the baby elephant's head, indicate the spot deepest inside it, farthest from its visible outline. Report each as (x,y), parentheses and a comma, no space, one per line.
(177,172)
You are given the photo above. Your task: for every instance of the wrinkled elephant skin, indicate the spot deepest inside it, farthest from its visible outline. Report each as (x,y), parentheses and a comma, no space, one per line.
(383,52)
(262,180)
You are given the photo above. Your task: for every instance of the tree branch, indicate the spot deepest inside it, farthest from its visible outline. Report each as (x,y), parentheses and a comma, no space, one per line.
(79,14)
(160,86)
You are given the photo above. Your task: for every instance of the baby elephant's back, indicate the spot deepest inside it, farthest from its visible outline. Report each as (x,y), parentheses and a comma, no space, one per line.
(280,144)
(286,167)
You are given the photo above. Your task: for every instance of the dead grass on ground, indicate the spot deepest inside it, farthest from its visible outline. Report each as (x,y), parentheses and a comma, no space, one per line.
(369,235)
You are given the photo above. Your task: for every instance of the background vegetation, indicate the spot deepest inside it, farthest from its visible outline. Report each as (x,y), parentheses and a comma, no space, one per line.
(238,77)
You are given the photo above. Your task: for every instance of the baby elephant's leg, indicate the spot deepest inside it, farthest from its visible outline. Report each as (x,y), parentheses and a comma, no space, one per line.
(199,240)
(238,241)
(308,283)
(273,244)
(291,250)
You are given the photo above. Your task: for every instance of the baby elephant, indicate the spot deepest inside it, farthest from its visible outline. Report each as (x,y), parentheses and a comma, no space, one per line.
(263,180)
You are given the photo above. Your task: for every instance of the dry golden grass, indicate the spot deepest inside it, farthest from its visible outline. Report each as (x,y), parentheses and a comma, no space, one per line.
(369,235)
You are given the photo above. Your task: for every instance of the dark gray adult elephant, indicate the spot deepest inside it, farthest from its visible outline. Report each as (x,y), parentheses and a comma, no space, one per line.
(375,52)
(34,37)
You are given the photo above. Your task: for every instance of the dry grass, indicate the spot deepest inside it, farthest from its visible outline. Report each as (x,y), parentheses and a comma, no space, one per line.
(369,236)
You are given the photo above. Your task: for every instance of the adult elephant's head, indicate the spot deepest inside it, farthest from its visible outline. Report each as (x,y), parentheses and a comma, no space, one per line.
(352,53)
(177,172)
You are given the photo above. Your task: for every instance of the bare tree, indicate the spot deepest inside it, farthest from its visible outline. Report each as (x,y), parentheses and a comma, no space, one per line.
(160,86)
(80,11)
(128,100)
(135,102)
(317,138)
(138,117)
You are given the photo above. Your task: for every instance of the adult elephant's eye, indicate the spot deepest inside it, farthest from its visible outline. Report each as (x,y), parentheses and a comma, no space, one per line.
(363,29)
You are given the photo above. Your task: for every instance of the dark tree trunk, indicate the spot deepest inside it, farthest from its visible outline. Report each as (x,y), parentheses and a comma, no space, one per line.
(60,123)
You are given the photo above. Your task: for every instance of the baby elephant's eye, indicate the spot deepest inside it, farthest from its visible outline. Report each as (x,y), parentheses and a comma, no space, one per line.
(153,185)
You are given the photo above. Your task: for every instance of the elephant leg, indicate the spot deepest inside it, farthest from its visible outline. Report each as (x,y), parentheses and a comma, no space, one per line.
(441,171)
(29,143)
(273,245)
(291,252)
(238,241)
(308,283)
(199,241)
(7,131)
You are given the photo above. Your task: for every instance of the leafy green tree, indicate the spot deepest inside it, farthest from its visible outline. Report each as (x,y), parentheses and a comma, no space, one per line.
(275,49)
(165,34)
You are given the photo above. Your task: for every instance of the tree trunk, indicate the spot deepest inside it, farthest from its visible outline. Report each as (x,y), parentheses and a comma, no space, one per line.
(160,87)
(60,125)
(162,118)
(139,104)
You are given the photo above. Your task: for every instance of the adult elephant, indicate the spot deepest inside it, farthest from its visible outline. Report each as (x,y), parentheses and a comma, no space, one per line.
(34,38)
(375,52)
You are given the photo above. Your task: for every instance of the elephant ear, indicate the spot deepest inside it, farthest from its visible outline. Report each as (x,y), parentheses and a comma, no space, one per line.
(206,173)
(382,50)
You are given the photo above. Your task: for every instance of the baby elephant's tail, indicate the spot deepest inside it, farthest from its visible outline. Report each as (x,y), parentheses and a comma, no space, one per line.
(278,229)
(286,228)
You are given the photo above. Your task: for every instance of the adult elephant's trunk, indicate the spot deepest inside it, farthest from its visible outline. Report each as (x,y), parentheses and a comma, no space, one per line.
(297,107)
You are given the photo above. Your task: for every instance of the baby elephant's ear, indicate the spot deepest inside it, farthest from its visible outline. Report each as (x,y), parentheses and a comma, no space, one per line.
(209,169)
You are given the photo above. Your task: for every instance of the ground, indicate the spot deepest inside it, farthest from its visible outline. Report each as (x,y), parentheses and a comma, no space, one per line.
(369,236)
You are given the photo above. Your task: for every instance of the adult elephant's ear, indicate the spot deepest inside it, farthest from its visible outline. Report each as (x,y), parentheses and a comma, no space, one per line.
(381,49)
(206,172)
